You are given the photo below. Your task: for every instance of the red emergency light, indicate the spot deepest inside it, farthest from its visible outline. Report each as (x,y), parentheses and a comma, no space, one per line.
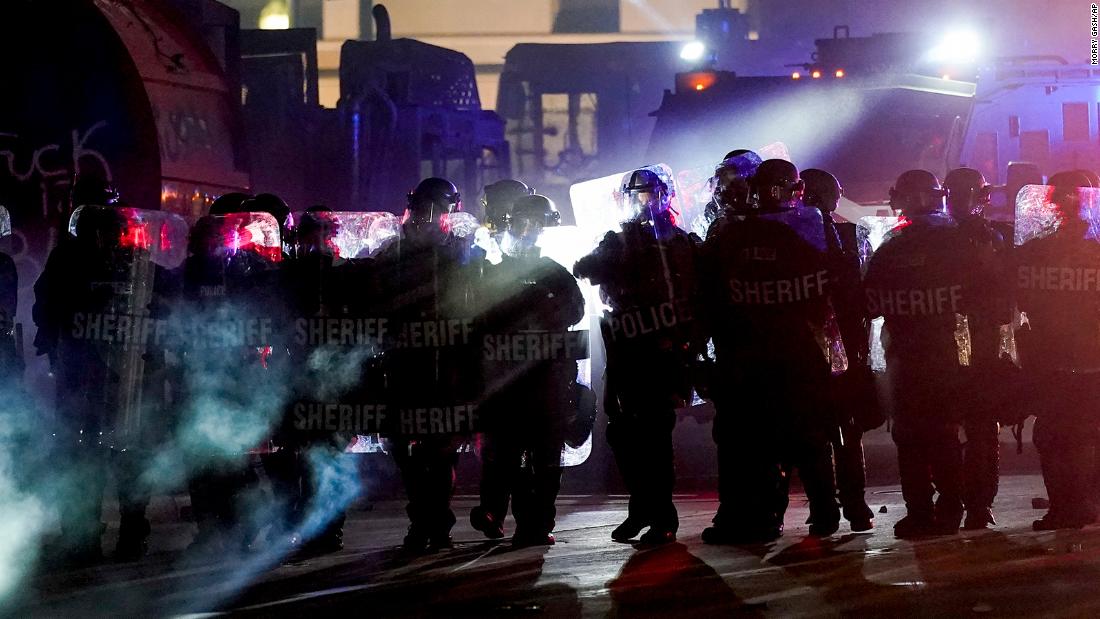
(698,81)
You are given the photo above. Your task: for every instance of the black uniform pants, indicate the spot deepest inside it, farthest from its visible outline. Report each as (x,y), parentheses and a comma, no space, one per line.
(927,417)
(981,462)
(525,468)
(84,474)
(1067,436)
(767,424)
(641,441)
(298,500)
(755,462)
(930,460)
(851,472)
(217,493)
(428,471)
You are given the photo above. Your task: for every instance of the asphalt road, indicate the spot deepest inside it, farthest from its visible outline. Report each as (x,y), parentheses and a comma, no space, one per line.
(1005,571)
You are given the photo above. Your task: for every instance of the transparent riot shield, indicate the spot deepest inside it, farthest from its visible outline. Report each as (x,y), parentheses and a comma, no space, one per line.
(160,235)
(597,206)
(1056,279)
(871,232)
(697,186)
(5,227)
(116,304)
(335,326)
(565,245)
(355,234)
(11,346)
(1037,216)
(229,335)
(598,209)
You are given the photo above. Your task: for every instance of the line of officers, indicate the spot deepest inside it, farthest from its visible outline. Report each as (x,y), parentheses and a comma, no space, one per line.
(158,408)
(769,318)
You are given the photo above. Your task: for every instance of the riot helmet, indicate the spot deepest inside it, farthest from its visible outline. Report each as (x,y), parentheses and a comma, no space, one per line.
(822,191)
(1066,197)
(428,203)
(269,203)
(917,192)
(644,196)
(229,203)
(731,179)
(967,193)
(776,186)
(100,229)
(92,190)
(530,215)
(1093,177)
(431,198)
(498,201)
(317,230)
(206,238)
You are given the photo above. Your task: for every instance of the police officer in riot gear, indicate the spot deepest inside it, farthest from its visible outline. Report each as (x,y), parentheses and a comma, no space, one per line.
(98,381)
(731,183)
(423,278)
(853,405)
(527,396)
(228,277)
(967,196)
(769,284)
(1056,287)
(914,282)
(498,201)
(319,284)
(645,271)
(66,288)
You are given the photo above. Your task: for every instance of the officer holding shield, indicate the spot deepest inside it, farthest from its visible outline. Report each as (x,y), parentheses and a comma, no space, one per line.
(424,282)
(914,282)
(647,274)
(529,385)
(776,347)
(1057,277)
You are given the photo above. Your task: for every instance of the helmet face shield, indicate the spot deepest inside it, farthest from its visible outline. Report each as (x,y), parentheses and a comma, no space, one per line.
(430,201)
(969,201)
(643,204)
(526,227)
(786,192)
(918,202)
(730,189)
(522,237)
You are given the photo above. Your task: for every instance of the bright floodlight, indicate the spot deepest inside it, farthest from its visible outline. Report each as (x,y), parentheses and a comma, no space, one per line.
(693,51)
(957,46)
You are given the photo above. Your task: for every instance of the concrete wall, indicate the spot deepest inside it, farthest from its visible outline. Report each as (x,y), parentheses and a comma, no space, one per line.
(664,16)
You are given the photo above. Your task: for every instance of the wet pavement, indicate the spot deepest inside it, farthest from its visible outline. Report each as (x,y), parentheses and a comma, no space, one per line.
(1007,570)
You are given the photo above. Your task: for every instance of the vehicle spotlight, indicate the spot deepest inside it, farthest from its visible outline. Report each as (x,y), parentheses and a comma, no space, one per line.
(693,51)
(839,73)
(815,74)
(959,46)
(275,16)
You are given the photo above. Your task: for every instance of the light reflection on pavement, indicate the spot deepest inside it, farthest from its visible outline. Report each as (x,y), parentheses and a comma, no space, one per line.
(1007,570)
